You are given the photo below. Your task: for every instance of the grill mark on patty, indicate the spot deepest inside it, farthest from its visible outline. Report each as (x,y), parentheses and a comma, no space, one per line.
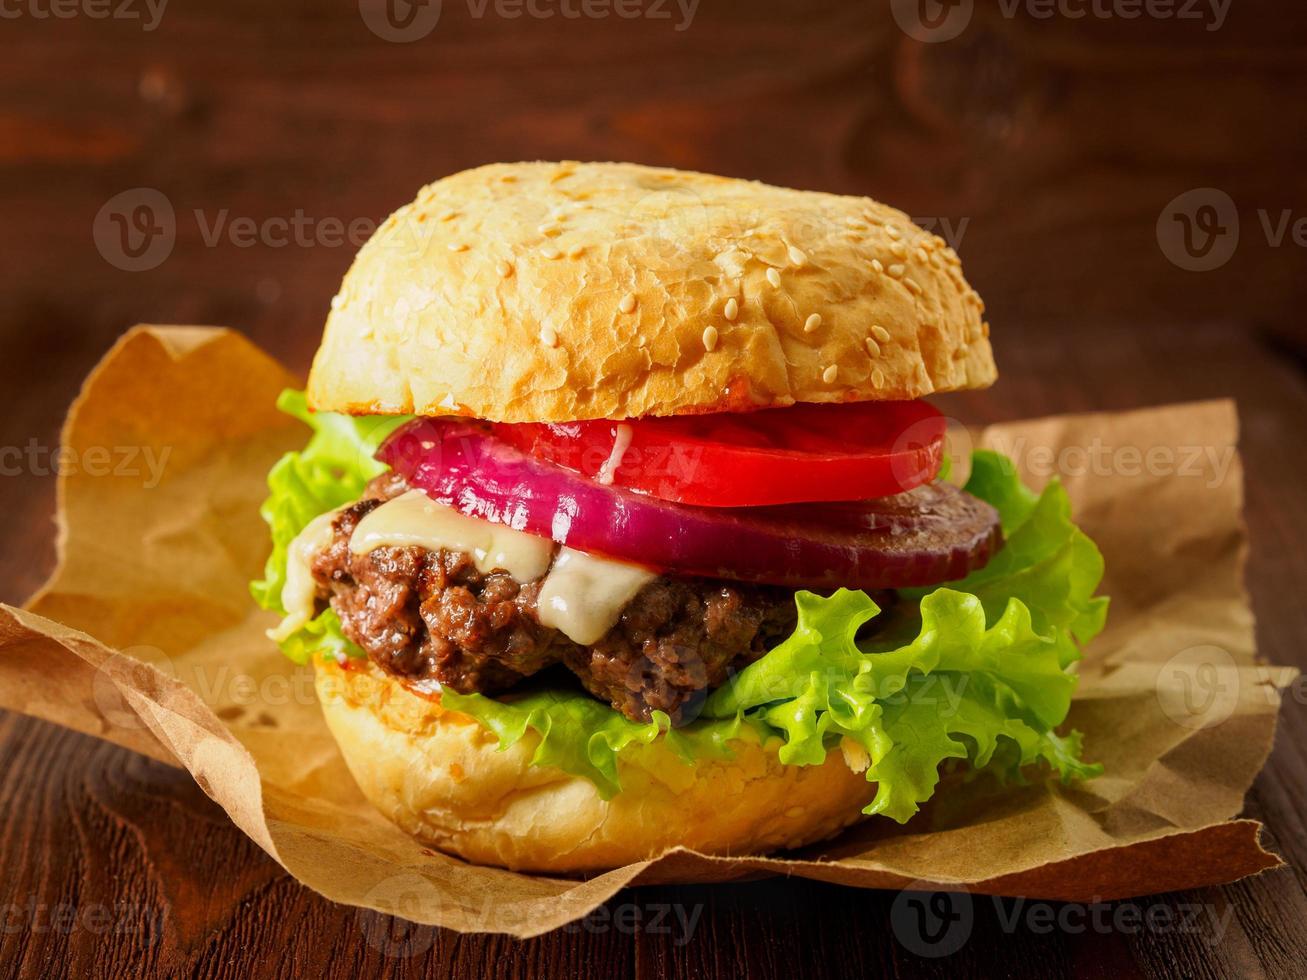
(425,615)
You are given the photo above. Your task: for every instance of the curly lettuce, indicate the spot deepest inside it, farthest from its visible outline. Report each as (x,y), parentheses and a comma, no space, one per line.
(585,737)
(330,472)
(977,673)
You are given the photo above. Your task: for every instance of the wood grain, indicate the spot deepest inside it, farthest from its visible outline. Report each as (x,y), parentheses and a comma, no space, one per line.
(1055,144)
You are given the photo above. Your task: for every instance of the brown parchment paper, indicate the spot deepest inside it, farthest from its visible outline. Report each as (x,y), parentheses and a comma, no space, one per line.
(146,636)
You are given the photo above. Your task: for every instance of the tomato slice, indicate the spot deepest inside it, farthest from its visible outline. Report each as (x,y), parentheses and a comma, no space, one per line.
(804,453)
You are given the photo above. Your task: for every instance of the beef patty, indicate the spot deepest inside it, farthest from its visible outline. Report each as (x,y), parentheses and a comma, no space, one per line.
(432,615)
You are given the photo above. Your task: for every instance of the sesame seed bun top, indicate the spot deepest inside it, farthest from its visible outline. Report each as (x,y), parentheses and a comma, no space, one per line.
(561,291)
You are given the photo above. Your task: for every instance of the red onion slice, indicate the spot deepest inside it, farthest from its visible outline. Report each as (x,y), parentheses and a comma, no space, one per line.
(935,533)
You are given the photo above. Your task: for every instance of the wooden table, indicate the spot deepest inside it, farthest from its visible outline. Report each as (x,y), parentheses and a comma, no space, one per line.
(1056,145)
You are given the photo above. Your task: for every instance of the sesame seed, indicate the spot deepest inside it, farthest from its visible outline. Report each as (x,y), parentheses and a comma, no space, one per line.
(549,229)
(549,337)
(627,305)
(921,255)
(878,265)
(575,251)
(732,309)
(337,302)
(709,338)
(448,215)
(893,231)
(873,348)
(508,178)
(550,252)
(458,246)
(880,333)
(774,278)
(830,374)
(914,287)
(504,268)
(984,328)
(898,250)
(878,378)
(811,324)
(852,222)
(896,270)
(796,255)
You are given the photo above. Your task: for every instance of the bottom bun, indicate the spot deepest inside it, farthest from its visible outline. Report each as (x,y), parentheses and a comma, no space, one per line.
(439,775)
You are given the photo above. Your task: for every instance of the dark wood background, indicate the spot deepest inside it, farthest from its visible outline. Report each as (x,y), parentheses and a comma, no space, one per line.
(1054,144)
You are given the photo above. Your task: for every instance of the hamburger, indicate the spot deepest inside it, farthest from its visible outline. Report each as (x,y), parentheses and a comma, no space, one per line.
(623,524)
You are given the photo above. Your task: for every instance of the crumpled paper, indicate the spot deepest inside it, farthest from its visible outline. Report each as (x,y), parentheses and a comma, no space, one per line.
(146,636)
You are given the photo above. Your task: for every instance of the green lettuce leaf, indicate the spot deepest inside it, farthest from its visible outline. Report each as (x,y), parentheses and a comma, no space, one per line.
(960,689)
(984,676)
(584,737)
(1046,561)
(329,472)
(977,673)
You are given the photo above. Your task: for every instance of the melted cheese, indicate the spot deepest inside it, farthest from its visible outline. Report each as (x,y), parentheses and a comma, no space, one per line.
(299,593)
(583,594)
(414,520)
